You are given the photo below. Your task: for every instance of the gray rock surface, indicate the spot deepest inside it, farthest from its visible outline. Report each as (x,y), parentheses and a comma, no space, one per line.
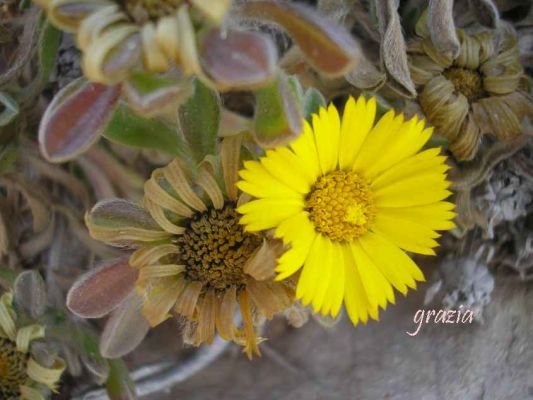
(493,361)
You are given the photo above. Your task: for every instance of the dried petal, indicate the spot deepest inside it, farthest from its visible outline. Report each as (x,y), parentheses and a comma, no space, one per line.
(442,28)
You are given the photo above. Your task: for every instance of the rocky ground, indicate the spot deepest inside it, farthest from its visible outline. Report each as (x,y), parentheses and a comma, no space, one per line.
(488,361)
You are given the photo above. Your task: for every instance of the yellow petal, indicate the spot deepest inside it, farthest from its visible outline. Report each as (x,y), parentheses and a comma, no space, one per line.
(414,191)
(391,257)
(376,140)
(305,149)
(435,216)
(333,299)
(258,182)
(355,300)
(391,261)
(408,235)
(299,234)
(357,121)
(399,145)
(324,280)
(427,161)
(311,271)
(285,171)
(377,288)
(268,213)
(326,126)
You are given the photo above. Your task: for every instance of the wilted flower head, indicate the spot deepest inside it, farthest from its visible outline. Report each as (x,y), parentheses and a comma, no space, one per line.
(24,372)
(483,90)
(193,258)
(115,35)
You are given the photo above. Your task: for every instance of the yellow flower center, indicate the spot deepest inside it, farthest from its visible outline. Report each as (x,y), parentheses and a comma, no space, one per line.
(214,248)
(13,364)
(465,81)
(144,10)
(340,205)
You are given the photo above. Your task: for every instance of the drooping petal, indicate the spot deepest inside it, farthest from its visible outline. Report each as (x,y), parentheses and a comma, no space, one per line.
(207,319)
(250,347)
(175,175)
(186,302)
(262,263)
(152,254)
(224,320)
(160,298)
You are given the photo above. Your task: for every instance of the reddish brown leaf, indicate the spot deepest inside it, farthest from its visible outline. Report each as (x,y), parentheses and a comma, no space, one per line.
(75,119)
(237,59)
(328,47)
(103,289)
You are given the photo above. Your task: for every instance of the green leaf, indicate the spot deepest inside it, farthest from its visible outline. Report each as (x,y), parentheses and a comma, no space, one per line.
(278,116)
(8,156)
(151,95)
(48,49)
(296,86)
(313,100)
(130,129)
(119,384)
(7,275)
(9,108)
(199,120)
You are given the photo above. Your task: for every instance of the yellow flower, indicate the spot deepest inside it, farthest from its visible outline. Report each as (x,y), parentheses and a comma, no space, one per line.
(194,257)
(21,375)
(349,197)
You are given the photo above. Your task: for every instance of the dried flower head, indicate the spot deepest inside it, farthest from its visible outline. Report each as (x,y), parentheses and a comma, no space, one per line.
(22,375)
(480,91)
(350,196)
(192,255)
(114,34)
